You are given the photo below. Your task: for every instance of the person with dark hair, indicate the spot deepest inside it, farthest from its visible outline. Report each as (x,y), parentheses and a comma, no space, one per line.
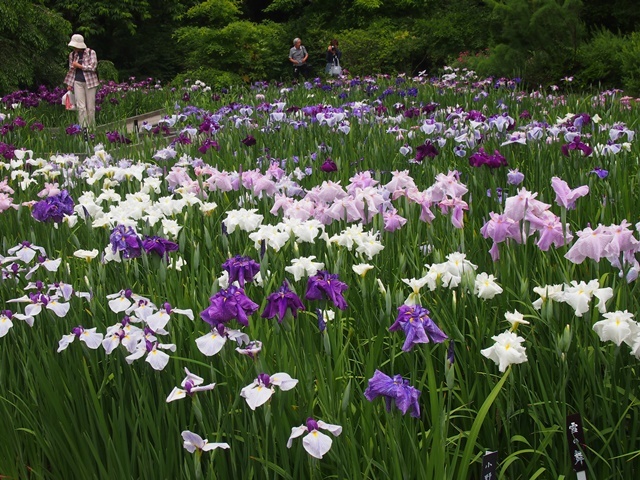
(334,55)
(82,79)
(298,57)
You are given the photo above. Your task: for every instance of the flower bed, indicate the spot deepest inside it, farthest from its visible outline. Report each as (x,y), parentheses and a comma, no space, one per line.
(366,278)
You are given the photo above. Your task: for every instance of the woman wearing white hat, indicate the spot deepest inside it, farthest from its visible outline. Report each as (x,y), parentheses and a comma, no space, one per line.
(82,78)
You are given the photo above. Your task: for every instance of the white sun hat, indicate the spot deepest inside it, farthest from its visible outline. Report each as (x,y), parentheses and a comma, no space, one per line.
(77,41)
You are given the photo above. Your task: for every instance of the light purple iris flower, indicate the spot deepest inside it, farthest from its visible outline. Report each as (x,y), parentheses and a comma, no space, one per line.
(418,327)
(394,390)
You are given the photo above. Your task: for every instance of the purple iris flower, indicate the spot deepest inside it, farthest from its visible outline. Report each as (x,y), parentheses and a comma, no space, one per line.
(481,158)
(251,349)
(241,269)
(326,285)
(411,112)
(159,245)
(248,141)
(329,166)
(73,130)
(117,137)
(182,139)
(53,208)
(582,119)
(208,144)
(125,239)
(600,172)
(476,116)
(417,325)
(515,177)
(228,304)
(322,325)
(278,303)
(395,389)
(264,379)
(451,355)
(427,149)
(77,331)
(576,144)
(312,424)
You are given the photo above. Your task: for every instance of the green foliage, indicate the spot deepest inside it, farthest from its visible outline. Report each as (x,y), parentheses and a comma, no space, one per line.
(599,60)
(246,49)
(459,26)
(630,58)
(367,4)
(213,77)
(33,45)
(383,47)
(95,17)
(107,71)
(541,40)
(213,13)
(283,5)
(537,39)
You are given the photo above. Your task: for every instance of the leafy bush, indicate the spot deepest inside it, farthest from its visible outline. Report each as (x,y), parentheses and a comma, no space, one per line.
(630,64)
(213,77)
(600,60)
(536,40)
(218,41)
(107,71)
(459,26)
(33,45)
(382,47)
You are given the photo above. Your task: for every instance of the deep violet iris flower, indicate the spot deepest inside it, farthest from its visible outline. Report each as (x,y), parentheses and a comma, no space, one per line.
(241,269)
(159,245)
(228,304)
(281,300)
(53,208)
(125,240)
(326,285)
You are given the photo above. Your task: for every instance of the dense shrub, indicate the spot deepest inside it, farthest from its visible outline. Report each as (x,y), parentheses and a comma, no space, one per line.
(107,71)
(630,58)
(382,47)
(599,60)
(212,77)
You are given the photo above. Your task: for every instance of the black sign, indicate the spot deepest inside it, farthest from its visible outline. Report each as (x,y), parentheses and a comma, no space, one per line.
(489,465)
(577,445)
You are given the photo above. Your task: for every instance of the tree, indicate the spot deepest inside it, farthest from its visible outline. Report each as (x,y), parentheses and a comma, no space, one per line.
(537,40)
(216,40)
(33,45)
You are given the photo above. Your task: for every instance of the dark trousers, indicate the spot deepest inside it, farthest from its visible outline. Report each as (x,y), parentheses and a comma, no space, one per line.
(300,70)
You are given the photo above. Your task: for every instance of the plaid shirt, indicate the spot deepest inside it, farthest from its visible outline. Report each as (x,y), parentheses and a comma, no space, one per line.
(89,65)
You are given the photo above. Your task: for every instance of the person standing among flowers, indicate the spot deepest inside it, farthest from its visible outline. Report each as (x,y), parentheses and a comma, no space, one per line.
(334,55)
(82,78)
(298,57)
